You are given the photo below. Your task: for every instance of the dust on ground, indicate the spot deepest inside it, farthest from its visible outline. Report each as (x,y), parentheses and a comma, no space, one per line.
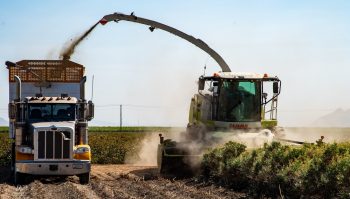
(114,181)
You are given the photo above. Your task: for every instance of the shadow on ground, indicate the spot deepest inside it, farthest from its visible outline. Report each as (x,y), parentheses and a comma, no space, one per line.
(153,173)
(5,174)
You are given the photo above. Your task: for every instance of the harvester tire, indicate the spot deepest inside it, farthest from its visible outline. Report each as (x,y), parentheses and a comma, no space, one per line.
(84,178)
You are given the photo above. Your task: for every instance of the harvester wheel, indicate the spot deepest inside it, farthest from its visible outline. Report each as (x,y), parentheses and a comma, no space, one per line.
(84,178)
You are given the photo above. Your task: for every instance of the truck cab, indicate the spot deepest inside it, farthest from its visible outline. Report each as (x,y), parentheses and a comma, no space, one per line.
(49,118)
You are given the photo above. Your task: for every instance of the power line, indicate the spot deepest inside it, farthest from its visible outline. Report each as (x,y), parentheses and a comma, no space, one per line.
(306,110)
(129,105)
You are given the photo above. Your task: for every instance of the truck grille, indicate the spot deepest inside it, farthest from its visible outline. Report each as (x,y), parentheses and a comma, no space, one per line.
(54,145)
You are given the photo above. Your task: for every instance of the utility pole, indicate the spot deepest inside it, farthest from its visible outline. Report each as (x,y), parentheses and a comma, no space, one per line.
(121,117)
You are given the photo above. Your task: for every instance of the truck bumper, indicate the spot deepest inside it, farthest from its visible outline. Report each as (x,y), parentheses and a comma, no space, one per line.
(74,167)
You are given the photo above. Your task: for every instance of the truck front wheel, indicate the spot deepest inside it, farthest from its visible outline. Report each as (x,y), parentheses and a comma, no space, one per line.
(19,178)
(84,178)
(13,157)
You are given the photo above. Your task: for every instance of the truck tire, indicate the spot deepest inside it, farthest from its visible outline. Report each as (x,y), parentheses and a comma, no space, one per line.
(84,178)
(19,178)
(13,157)
(16,176)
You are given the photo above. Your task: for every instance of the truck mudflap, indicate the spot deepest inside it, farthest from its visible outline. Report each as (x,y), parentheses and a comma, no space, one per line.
(74,167)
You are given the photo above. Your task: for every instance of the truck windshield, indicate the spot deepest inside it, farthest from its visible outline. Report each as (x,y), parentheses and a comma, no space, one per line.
(51,112)
(239,101)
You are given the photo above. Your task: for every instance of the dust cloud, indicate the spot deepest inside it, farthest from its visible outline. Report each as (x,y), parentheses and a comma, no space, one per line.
(196,142)
(252,139)
(311,134)
(147,153)
(68,51)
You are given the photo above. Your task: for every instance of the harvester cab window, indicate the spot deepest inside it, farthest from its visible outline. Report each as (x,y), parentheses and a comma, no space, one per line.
(239,101)
(248,87)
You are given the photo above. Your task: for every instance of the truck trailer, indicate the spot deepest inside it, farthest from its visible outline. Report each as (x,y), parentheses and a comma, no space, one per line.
(49,115)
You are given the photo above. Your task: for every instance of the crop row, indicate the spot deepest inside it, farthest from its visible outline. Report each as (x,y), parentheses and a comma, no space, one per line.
(321,170)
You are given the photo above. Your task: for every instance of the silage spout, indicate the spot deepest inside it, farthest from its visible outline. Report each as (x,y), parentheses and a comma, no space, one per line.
(156,25)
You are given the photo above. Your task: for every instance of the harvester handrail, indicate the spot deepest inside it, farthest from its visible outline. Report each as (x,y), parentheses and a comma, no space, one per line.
(153,24)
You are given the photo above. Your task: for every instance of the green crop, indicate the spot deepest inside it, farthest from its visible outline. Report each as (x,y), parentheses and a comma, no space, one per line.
(4,129)
(5,149)
(128,129)
(112,148)
(321,170)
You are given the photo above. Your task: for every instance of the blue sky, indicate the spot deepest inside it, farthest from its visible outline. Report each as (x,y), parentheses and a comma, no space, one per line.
(305,43)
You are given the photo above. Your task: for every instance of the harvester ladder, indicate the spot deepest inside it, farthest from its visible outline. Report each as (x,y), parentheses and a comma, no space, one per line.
(273,111)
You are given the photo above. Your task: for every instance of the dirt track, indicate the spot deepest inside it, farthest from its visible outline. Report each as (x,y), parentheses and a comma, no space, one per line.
(113,181)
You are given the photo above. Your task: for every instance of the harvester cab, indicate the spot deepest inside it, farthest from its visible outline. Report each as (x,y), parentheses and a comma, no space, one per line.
(228,100)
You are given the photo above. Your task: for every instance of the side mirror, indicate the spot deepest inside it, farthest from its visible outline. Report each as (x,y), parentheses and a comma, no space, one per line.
(275,87)
(215,88)
(264,95)
(90,111)
(12,111)
(201,84)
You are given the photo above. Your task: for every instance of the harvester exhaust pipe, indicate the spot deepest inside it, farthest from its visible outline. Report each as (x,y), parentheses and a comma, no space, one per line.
(82,88)
(18,88)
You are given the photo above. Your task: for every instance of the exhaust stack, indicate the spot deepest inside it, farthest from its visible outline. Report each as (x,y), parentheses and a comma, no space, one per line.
(18,88)
(82,88)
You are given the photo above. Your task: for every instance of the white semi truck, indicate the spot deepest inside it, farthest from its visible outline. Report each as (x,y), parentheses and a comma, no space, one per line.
(49,117)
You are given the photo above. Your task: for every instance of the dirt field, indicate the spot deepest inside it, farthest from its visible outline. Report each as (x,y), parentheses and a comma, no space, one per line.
(113,181)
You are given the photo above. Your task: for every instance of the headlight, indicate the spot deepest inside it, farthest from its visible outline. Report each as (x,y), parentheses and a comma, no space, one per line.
(81,150)
(24,149)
